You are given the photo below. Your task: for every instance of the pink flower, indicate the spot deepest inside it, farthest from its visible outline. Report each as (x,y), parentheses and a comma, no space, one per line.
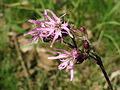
(67,60)
(57,28)
(51,27)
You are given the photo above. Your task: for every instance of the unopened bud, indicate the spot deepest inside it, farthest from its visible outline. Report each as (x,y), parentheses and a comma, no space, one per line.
(83,29)
(86,44)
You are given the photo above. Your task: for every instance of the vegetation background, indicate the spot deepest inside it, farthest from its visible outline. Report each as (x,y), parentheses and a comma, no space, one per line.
(24,66)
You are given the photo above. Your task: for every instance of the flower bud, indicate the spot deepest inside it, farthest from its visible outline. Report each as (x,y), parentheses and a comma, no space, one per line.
(83,29)
(86,46)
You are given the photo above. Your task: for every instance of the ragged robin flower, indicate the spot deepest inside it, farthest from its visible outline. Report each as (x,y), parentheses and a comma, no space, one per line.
(51,27)
(68,59)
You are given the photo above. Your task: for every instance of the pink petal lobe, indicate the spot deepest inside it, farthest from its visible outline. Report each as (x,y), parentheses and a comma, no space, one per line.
(63,15)
(53,14)
(58,57)
(34,21)
(68,31)
(55,37)
(63,51)
(71,74)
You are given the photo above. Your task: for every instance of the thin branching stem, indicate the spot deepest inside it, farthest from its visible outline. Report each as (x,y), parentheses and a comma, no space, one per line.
(106,76)
(99,62)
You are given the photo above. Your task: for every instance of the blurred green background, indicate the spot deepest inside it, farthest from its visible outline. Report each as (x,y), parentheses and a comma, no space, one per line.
(24,66)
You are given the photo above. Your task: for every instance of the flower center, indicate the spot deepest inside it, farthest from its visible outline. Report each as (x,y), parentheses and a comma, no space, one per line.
(71,58)
(58,25)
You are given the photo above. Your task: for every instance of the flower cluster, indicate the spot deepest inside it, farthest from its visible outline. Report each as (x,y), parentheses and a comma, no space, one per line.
(53,28)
